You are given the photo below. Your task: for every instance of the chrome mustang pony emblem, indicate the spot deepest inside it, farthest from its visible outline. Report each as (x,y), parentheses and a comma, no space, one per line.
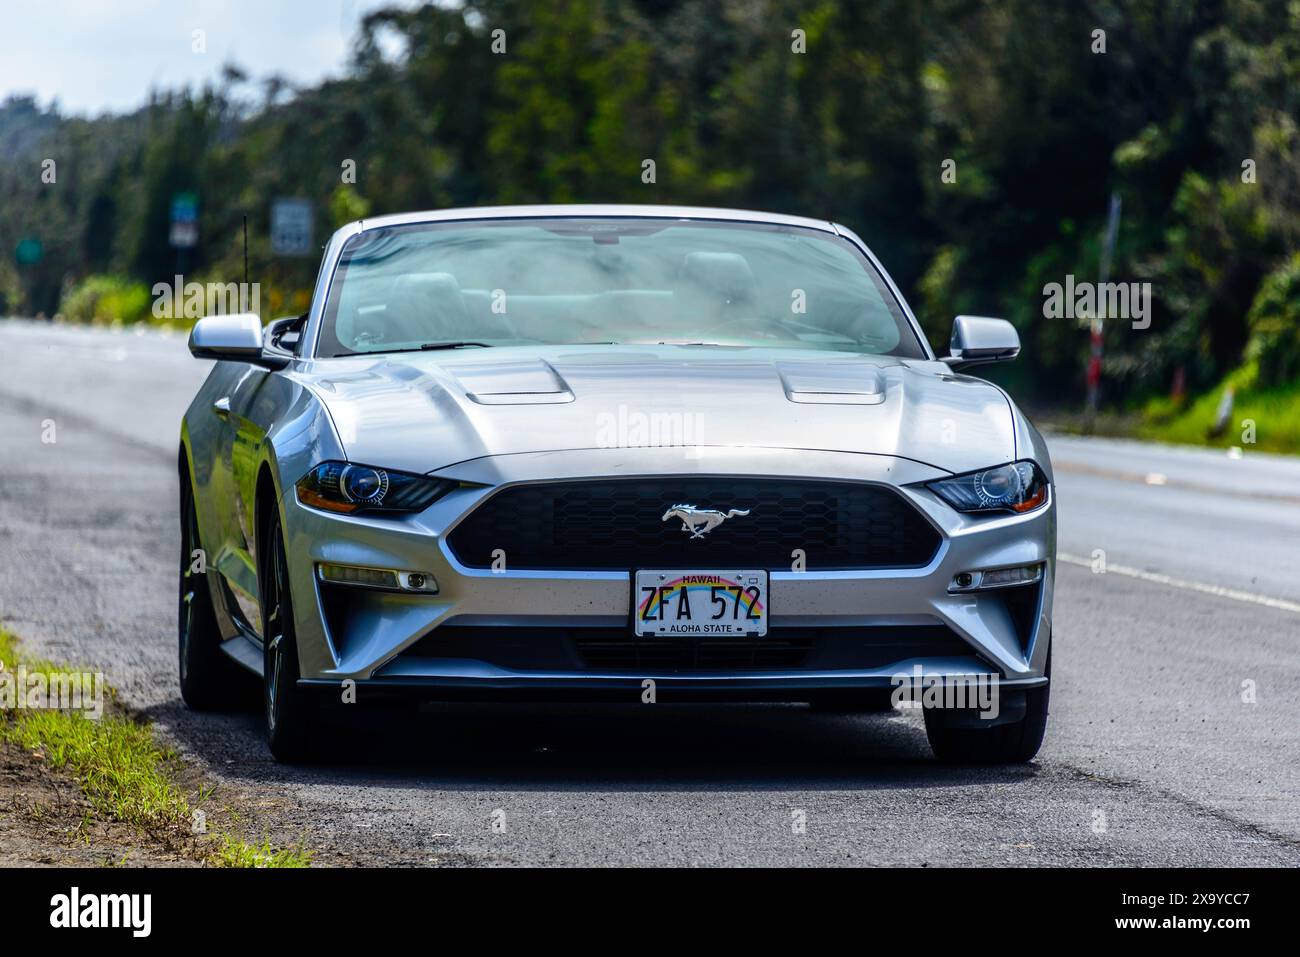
(699,521)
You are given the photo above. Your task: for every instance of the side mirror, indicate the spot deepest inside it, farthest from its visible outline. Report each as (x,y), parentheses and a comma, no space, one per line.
(980,339)
(234,338)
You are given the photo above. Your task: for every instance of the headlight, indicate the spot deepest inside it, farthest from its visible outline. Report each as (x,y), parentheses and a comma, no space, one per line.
(345,487)
(1018,487)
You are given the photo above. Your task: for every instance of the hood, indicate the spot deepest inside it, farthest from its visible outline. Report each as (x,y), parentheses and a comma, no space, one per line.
(420,412)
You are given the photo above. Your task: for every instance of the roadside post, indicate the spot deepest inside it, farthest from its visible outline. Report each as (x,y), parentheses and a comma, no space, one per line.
(1097,327)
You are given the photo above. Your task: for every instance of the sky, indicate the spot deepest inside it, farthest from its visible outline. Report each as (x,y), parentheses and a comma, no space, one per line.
(99,56)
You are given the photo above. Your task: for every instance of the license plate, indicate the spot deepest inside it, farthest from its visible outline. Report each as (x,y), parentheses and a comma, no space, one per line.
(700,604)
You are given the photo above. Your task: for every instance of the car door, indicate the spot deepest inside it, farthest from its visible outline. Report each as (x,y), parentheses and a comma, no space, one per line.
(237,444)
(259,404)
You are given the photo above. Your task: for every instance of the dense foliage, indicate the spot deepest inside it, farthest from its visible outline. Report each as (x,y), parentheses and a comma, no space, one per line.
(1190,116)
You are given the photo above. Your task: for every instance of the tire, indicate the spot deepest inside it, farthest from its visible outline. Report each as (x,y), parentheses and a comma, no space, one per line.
(1015,742)
(291,713)
(209,680)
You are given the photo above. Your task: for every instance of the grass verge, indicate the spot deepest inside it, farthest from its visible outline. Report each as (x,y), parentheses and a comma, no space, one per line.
(127,776)
(1270,416)
(1261,419)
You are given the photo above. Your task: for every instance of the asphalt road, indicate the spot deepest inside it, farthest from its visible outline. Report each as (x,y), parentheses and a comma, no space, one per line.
(1152,755)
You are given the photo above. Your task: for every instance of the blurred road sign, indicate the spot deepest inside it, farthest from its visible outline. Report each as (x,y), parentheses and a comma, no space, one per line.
(29,251)
(185,220)
(292,225)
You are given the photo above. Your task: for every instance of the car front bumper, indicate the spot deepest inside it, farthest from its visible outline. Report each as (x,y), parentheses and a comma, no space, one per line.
(521,632)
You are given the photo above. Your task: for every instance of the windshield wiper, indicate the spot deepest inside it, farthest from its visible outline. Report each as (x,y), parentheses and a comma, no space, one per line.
(432,346)
(428,346)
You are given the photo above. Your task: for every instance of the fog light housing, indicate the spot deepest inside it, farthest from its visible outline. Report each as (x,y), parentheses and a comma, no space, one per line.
(997,578)
(386,578)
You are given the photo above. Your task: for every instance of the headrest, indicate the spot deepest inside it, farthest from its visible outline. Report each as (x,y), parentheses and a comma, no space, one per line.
(431,292)
(726,275)
(425,306)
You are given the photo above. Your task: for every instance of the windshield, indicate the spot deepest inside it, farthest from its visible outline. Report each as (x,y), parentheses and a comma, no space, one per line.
(587,280)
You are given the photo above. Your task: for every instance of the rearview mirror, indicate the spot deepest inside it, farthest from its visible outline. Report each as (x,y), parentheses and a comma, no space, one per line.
(980,339)
(233,338)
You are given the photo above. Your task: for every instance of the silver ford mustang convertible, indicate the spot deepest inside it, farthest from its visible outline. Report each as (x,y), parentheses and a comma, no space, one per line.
(632,453)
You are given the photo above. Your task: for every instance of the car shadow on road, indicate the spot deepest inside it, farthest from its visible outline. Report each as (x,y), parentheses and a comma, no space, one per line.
(662,747)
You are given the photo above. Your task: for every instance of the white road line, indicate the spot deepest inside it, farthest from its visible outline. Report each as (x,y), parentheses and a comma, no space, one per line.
(1217,590)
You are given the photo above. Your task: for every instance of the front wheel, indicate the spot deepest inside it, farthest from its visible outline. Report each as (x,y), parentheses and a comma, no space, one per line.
(291,715)
(961,737)
(209,680)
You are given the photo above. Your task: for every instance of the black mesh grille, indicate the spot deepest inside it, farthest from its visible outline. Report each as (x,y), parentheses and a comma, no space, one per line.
(617,650)
(618,524)
(613,649)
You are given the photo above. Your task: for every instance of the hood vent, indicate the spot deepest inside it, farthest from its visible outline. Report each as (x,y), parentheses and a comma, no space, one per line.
(832,383)
(512,382)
